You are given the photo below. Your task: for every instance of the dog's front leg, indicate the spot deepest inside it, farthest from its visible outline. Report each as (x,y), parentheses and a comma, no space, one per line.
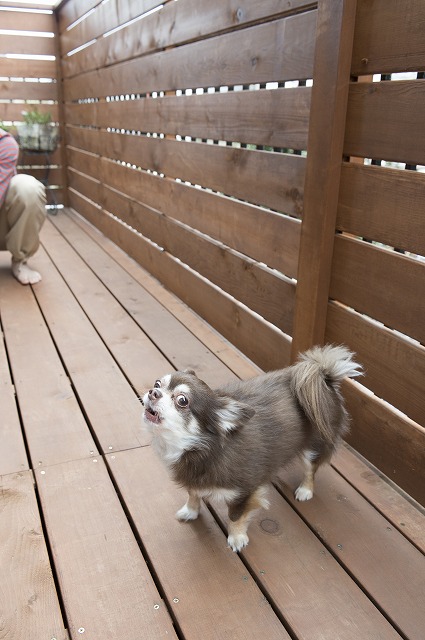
(190,511)
(241,513)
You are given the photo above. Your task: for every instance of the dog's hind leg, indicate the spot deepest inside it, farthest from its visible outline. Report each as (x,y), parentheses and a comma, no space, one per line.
(312,461)
(240,515)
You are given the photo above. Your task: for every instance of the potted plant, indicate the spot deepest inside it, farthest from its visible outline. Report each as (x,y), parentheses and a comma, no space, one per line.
(37,132)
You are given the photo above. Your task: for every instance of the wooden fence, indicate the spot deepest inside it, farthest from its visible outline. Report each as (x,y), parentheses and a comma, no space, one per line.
(29,78)
(284,212)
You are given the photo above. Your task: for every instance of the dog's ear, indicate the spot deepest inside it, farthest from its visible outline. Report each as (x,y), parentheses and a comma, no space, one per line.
(233,415)
(191,372)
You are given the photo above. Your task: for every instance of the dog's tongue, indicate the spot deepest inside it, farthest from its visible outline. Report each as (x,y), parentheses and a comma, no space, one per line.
(152,417)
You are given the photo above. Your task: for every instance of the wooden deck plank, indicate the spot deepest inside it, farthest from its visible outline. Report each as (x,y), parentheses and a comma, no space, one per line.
(115,545)
(137,356)
(389,569)
(13,456)
(54,427)
(296,568)
(222,348)
(111,405)
(171,337)
(106,586)
(407,517)
(29,607)
(210,591)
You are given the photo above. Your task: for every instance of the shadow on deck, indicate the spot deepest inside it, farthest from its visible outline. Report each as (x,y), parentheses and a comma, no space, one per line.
(89,546)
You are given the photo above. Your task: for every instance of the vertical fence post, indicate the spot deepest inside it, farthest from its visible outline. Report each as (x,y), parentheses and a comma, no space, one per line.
(334,43)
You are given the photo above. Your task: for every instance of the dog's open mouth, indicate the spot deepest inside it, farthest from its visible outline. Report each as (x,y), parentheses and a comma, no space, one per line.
(152,415)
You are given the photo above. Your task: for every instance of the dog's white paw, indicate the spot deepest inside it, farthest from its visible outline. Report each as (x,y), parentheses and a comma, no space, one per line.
(237,541)
(303,493)
(186,513)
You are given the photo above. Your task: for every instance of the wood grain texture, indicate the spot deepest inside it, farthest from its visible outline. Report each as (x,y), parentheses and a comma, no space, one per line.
(156,33)
(326,134)
(389,501)
(377,108)
(264,53)
(292,564)
(394,367)
(56,431)
(172,338)
(391,442)
(234,321)
(388,37)
(29,603)
(387,567)
(105,583)
(197,570)
(28,68)
(382,279)
(13,456)
(382,204)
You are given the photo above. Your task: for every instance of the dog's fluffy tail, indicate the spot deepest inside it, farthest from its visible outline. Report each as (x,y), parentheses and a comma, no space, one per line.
(315,381)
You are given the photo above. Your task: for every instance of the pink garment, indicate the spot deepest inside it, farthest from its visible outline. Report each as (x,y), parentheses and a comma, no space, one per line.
(9,152)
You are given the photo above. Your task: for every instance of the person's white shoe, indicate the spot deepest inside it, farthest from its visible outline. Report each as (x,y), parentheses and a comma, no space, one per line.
(24,274)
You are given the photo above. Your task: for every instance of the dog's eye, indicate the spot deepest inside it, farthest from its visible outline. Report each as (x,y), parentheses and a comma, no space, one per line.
(157,384)
(182,401)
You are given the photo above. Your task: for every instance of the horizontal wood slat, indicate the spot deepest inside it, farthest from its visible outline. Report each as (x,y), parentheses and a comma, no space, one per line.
(388,37)
(234,321)
(10,67)
(266,293)
(28,90)
(391,442)
(266,53)
(231,222)
(228,170)
(383,204)
(277,118)
(294,34)
(71,11)
(27,21)
(13,111)
(195,19)
(25,45)
(394,368)
(374,281)
(384,120)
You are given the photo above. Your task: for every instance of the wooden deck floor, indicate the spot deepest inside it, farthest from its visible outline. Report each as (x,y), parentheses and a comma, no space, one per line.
(89,546)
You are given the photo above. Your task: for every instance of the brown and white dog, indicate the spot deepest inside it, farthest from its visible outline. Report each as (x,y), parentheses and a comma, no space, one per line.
(230,441)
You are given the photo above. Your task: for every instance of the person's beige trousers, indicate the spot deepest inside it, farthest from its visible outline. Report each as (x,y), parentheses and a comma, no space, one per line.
(21,216)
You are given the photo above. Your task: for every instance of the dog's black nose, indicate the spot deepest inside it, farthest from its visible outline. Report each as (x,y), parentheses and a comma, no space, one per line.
(155,394)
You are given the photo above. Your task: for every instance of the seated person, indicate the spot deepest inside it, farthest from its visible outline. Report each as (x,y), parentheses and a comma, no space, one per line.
(22,211)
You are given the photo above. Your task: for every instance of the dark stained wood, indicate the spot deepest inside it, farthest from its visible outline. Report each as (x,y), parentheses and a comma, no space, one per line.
(198,572)
(274,117)
(280,548)
(382,279)
(364,542)
(234,321)
(326,133)
(24,45)
(383,204)
(28,68)
(28,91)
(392,442)
(262,290)
(376,108)
(13,457)
(264,53)
(294,34)
(29,602)
(104,579)
(56,431)
(394,367)
(404,515)
(388,37)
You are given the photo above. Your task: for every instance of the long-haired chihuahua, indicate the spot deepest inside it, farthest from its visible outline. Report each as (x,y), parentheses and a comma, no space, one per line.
(229,442)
